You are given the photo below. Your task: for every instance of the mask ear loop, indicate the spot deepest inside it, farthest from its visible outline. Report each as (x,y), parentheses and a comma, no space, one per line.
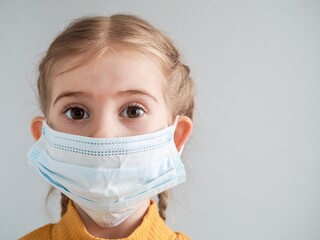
(180,151)
(175,125)
(44,125)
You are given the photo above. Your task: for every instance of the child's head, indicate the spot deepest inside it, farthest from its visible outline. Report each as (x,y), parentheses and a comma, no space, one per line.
(112,77)
(88,37)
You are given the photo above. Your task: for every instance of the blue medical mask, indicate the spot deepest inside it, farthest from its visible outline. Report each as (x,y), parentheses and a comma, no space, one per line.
(109,178)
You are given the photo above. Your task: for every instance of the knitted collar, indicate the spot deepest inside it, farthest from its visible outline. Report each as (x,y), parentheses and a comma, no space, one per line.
(152,227)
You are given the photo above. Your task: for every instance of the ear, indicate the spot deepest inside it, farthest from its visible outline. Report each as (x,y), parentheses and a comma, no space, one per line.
(183,131)
(36,127)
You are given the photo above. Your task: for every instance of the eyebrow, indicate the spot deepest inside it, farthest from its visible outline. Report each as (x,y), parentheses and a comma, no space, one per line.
(71,94)
(137,92)
(89,95)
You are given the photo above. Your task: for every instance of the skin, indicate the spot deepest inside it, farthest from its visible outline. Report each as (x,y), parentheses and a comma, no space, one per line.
(113,95)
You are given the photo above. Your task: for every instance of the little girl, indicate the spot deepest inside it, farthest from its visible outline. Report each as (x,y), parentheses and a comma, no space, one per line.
(117,104)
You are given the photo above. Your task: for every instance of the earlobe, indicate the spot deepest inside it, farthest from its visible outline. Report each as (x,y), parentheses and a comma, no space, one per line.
(183,131)
(36,127)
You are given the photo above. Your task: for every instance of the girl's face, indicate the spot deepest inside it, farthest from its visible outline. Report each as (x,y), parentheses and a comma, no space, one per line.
(114,95)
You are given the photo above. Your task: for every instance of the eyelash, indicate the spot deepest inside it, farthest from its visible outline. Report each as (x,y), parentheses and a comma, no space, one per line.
(71,106)
(137,105)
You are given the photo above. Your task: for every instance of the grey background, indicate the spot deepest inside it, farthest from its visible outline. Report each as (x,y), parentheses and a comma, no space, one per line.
(254,159)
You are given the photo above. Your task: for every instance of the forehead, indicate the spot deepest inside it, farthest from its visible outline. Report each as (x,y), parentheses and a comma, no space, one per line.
(107,73)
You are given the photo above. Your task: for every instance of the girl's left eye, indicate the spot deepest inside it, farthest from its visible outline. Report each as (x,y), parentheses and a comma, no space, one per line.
(132,112)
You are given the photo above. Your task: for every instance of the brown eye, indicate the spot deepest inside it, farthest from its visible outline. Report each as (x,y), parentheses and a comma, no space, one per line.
(132,112)
(76,113)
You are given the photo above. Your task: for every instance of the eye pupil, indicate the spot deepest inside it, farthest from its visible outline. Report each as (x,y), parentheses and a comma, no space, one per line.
(77,113)
(133,112)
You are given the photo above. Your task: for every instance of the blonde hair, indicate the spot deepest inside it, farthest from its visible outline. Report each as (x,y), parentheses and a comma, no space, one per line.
(93,35)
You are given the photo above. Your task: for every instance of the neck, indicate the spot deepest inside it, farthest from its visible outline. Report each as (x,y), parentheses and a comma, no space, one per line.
(122,230)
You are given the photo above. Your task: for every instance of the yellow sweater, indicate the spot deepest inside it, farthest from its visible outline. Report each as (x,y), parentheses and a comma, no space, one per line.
(70,227)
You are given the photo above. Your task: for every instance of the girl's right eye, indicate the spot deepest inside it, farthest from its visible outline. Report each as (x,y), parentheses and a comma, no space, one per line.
(76,113)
